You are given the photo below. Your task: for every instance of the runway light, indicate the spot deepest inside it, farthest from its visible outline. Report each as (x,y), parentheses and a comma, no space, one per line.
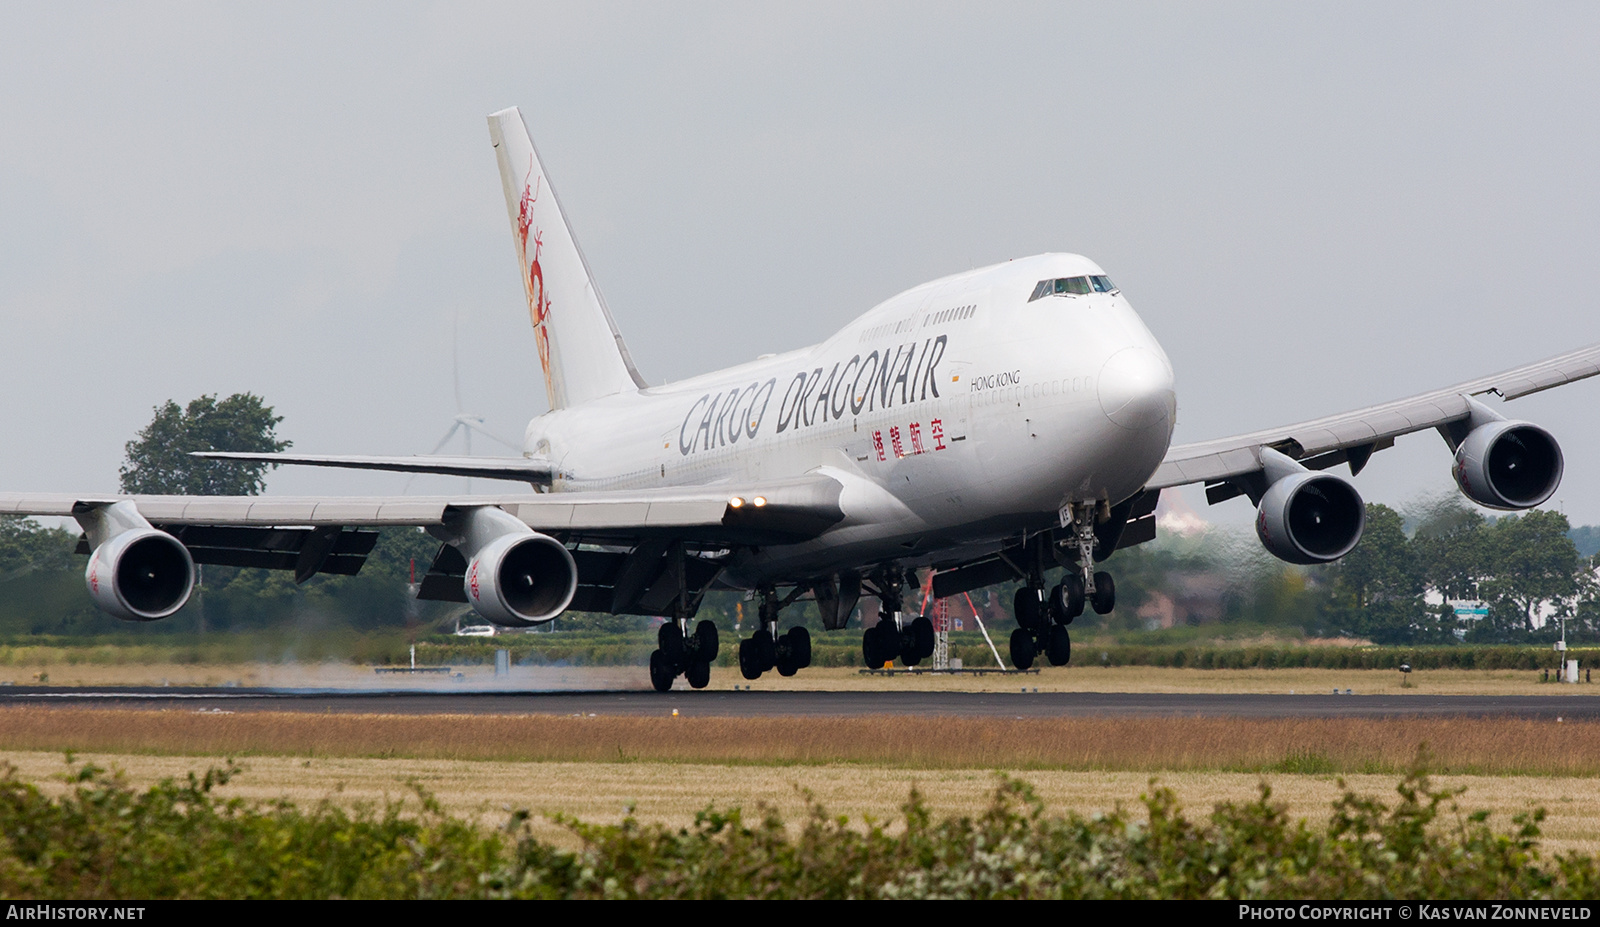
(760,501)
(736,503)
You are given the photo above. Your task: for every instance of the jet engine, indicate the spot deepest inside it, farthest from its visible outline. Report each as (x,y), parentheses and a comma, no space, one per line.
(1307,517)
(516,577)
(140,575)
(1508,465)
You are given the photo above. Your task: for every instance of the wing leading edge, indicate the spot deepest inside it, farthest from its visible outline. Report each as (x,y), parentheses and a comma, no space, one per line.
(1352,437)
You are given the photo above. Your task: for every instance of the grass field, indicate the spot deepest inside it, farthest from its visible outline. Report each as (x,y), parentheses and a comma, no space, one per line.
(342,675)
(1319,745)
(668,768)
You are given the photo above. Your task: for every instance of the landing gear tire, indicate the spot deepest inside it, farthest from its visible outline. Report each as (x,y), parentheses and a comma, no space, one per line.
(1026,607)
(749,665)
(1105,594)
(916,641)
(706,643)
(670,638)
(1058,646)
(1022,649)
(799,647)
(909,641)
(1067,599)
(764,649)
(872,645)
(922,637)
(661,672)
(698,674)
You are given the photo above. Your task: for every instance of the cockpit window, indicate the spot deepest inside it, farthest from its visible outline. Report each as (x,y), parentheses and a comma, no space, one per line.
(1072,286)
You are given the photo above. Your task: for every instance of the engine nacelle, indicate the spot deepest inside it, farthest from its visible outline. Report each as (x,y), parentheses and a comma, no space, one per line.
(516,577)
(1508,465)
(140,574)
(1306,517)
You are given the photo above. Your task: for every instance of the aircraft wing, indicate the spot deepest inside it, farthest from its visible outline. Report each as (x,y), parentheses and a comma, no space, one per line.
(535,470)
(777,511)
(1352,437)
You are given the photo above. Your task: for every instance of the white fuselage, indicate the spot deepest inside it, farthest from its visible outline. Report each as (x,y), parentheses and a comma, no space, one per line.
(956,415)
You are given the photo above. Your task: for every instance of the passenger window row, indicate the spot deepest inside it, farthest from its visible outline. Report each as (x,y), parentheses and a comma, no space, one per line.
(950,315)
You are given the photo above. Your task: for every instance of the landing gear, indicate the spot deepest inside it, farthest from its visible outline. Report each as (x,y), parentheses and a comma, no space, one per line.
(788,653)
(678,650)
(1043,618)
(677,653)
(1105,594)
(912,641)
(1022,649)
(1058,646)
(1066,599)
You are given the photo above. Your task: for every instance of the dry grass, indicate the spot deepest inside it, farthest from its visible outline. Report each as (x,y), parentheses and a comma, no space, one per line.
(671,793)
(816,679)
(1494,746)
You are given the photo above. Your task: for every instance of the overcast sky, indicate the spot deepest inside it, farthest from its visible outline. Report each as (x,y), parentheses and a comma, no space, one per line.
(1313,206)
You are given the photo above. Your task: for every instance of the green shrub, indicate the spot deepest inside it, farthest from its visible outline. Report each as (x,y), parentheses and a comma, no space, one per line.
(104,840)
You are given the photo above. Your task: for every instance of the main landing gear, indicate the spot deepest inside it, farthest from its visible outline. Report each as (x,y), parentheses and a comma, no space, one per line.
(788,653)
(893,636)
(1043,619)
(678,650)
(689,654)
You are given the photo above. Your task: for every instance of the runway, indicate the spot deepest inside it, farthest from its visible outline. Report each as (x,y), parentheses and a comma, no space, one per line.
(747,704)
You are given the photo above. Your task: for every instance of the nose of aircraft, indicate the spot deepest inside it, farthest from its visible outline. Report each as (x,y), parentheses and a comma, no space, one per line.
(1136,389)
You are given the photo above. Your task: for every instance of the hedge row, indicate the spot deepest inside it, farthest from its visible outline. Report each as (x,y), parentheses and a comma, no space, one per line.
(104,841)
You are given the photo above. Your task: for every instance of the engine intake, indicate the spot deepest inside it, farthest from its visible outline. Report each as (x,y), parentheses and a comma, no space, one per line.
(1306,517)
(1508,465)
(516,577)
(520,581)
(141,574)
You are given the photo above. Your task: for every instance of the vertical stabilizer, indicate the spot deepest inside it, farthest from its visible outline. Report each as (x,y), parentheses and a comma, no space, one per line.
(579,347)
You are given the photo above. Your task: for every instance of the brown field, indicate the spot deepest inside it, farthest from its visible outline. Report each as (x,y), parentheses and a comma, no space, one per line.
(1340,745)
(1052,679)
(671,793)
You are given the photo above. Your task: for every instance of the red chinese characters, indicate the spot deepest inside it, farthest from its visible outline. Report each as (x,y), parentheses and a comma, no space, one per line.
(914,435)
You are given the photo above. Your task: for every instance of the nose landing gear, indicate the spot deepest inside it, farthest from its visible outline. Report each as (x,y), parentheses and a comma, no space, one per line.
(1043,619)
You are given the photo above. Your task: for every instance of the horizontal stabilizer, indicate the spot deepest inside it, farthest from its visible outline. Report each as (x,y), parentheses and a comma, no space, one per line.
(536,470)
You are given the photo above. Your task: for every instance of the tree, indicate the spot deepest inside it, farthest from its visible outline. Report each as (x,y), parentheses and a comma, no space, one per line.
(1534,566)
(27,546)
(1452,548)
(1377,588)
(158,459)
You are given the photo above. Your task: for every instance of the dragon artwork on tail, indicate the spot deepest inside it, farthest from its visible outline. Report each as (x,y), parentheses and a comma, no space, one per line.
(538,302)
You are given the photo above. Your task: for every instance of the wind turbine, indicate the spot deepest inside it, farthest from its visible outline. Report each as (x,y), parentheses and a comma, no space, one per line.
(464,422)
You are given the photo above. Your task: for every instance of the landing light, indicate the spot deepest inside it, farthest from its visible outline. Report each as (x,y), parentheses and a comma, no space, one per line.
(760,501)
(736,502)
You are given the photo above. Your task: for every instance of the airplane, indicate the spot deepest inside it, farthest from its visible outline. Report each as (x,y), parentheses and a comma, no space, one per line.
(988,426)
